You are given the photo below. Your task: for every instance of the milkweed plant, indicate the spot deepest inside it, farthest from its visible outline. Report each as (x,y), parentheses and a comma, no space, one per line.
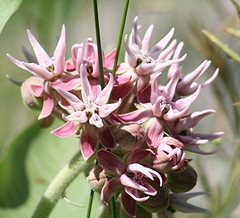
(133,119)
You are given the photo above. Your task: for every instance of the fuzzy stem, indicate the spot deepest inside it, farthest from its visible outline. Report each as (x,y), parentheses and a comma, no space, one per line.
(99,47)
(120,36)
(57,187)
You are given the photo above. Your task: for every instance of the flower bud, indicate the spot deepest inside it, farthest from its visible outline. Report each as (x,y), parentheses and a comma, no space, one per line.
(31,90)
(130,137)
(97,178)
(182,181)
(169,155)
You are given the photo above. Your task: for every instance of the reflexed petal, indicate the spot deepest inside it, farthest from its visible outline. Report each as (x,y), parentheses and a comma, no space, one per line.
(47,107)
(154,132)
(138,116)
(73,100)
(109,189)
(68,129)
(40,53)
(129,204)
(111,163)
(67,83)
(18,63)
(105,137)
(88,144)
(59,53)
(138,156)
(39,70)
(37,90)
(109,59)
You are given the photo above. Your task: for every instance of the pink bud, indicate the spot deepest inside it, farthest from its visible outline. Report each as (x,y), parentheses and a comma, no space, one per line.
(31,91)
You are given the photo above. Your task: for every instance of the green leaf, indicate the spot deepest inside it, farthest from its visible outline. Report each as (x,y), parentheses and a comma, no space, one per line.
(222,46)
(7,9)
(14,187)
(31,162)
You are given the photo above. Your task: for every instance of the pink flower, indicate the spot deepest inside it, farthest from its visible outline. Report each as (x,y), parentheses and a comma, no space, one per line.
(48,69)
(141,61)
(92,108)
(136,179)
(183,131)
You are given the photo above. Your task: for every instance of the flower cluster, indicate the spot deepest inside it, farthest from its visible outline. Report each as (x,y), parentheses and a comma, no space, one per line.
(137,123)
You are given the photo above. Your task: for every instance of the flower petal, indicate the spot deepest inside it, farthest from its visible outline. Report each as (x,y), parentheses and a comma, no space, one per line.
(129,204)
(40,53)
(138,116)
(38,70)
(111,163)
(103,96)
(105,137)
(109,189)
(68,129)
(73,100)
(106,109)
(133,193)
(47,108)
(59,53)
(88,144)
(154,132)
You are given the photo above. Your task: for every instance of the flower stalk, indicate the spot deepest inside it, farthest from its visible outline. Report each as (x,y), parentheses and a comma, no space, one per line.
(59,184)
(120,36)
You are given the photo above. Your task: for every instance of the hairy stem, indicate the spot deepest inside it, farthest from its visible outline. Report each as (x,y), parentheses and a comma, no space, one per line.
(57,187)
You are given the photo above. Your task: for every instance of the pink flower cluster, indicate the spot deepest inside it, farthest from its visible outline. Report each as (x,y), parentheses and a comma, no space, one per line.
(138,125)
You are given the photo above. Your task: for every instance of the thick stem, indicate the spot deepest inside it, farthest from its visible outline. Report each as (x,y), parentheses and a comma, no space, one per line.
(57,187)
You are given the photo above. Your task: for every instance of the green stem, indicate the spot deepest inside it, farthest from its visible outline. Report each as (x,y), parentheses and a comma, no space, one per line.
(113,208)
(95,6)
(120,36)
(57,187)
(90,203)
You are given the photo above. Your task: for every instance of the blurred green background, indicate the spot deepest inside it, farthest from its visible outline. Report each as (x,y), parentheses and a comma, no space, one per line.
(28,163)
